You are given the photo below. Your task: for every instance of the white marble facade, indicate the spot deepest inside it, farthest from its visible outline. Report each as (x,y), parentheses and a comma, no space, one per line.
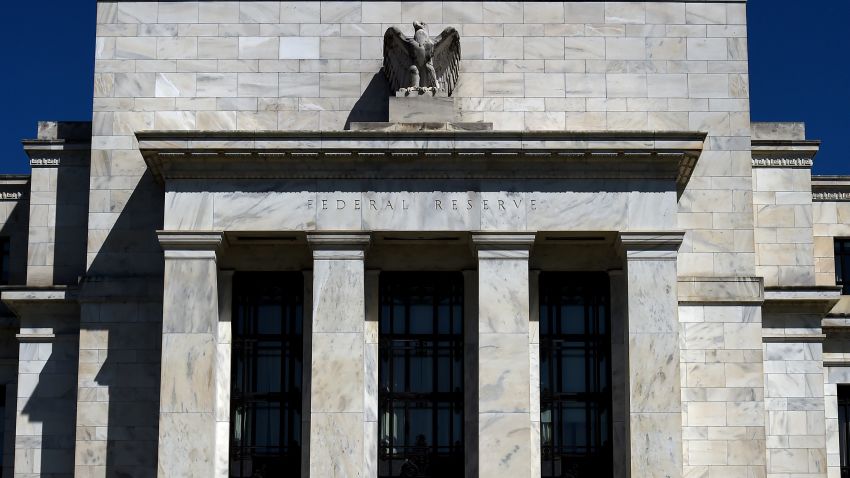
(232,136)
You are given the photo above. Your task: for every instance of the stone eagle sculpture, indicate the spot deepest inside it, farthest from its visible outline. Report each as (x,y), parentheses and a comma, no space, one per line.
(420,63)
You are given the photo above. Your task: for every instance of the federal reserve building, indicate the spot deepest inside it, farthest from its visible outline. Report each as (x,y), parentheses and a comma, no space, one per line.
(423,240)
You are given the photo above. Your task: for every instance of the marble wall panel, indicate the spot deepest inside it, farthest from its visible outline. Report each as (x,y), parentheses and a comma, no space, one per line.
(336,444)
(188,384)
(309,206)
(500,388)
(190,445)
(337,372)
(783,230)
(502,308)
(264,210)
(499,435)
(188,301)
(722,388)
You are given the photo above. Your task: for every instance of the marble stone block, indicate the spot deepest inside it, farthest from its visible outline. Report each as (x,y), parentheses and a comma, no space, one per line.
(504,444)
(421,109)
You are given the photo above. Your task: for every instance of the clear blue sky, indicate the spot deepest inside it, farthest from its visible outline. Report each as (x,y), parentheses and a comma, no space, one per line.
(799,70)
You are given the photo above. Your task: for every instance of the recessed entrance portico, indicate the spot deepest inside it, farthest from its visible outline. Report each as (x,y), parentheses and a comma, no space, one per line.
(428,202)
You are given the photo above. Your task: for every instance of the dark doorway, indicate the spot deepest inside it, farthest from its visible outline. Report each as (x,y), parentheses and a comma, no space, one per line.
(844,428)
(265,420)
(421,375)
(575,375)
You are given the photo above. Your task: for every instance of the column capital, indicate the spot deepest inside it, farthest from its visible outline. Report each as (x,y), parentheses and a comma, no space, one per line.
(507,245)
(191,244)
(339,245)
(650,245)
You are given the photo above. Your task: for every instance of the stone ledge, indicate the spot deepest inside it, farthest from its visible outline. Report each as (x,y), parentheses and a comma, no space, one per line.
(804,299)
(794,338)
(422,126)
(721,290)
(190,240)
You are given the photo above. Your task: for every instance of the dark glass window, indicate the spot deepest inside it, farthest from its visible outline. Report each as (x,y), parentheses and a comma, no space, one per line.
(421,375)
(844,428)
(842,264)
(2,424)
(266,382)
(575,375)
(4,260)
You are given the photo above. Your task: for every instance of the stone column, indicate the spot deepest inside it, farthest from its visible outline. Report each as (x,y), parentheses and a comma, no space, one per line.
(504,399)
(338,365)
(224,365)
(534,368)
(654,396)
(370,396)
(190,316)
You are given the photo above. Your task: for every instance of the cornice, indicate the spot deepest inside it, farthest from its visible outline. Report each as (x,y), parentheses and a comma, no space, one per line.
(783,162)
(831,188)
(784,153)
(421,155)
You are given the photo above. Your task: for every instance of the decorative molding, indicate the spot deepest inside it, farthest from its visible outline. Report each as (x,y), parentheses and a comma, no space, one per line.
(650,245)
(44,338)
(782,162)
(831,196)
(35,162)
(11,195)
(338,245)
(646,240)
(190,244)
(510,245)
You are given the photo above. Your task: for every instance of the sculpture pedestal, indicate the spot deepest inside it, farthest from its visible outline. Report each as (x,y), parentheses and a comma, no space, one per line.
(428,107)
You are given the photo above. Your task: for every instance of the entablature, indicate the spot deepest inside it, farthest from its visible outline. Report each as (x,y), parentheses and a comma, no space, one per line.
(421,155)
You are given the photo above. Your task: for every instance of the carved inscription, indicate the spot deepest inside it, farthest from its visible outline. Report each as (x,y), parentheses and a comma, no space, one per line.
(446,204)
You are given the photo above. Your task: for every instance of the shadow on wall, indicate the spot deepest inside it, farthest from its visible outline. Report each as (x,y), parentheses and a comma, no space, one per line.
(373,105)
(121,318)
(72,207)
(16,228)
(49,410)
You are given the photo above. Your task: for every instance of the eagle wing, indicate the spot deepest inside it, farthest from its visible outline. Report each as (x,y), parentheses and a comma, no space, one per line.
(446,59)
(398,57)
